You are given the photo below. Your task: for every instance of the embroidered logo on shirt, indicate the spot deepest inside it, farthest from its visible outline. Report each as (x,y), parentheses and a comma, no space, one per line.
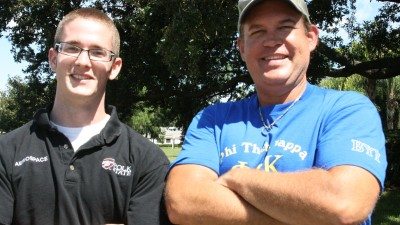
(32,159)
(361,147)
(110,164)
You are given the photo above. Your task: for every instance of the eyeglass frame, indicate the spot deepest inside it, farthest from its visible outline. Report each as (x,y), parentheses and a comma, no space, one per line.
(111,54)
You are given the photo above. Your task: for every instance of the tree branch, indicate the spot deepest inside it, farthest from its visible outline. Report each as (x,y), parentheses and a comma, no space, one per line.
(332,54)
(375,69)
(395,1)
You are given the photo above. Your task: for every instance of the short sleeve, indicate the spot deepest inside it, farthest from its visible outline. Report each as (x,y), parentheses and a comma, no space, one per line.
(352,135)
(145,204)
(200,145)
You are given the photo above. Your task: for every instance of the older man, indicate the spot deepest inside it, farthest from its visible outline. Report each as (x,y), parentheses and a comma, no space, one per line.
(292,153)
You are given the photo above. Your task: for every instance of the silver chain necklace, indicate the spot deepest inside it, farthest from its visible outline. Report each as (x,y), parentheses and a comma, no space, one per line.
(267,127)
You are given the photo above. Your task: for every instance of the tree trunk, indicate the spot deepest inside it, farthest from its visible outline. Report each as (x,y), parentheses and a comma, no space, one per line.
(391,106)
(370,89)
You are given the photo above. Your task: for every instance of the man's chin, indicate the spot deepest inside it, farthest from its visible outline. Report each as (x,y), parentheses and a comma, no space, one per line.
(276,78)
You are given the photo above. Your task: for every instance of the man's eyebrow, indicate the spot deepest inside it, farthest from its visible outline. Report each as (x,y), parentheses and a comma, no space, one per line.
(288,20)
(254,26)
(72,42)
(78,43)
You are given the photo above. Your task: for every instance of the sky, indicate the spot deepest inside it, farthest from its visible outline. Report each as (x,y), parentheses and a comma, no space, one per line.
(7,64)
(366,10)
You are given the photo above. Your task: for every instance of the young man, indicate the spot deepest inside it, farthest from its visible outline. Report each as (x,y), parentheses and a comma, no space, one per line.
(75,162)
(293,153)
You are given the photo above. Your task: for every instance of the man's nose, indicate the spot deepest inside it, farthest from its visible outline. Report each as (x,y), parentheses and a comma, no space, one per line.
(272,39)
(83,58)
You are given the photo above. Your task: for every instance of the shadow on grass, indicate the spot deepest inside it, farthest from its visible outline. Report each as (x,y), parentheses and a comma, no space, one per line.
(387,210)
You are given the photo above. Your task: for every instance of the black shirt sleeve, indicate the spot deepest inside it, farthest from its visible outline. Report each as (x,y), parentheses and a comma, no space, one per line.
(146,206)
(6,193)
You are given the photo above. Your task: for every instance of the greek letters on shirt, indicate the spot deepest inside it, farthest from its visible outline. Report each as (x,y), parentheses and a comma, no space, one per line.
(269,161)
(361,147)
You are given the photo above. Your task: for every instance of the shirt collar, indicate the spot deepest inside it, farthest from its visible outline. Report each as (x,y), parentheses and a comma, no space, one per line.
(109,133)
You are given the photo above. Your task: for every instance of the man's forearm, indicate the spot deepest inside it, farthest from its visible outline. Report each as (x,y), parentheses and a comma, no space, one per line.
(197,201)
(310,197)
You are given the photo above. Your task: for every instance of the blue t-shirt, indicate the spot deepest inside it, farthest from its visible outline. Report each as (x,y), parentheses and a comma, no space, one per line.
(324,128)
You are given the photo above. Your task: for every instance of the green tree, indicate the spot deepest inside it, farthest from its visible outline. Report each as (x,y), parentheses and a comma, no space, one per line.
(352,83)
(147,121)
(22,100)
(183,51)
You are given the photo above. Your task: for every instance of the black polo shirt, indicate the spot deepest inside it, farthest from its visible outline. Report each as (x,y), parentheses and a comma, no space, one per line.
(116,177)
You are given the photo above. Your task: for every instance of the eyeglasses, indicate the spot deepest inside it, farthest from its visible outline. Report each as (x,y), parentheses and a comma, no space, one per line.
(97,54)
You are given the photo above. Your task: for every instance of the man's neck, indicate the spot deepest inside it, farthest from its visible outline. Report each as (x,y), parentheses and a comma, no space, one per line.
(79,114)
(280,95)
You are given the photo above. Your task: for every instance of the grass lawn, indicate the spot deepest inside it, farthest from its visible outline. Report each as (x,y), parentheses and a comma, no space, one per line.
(171,152)
(387,211)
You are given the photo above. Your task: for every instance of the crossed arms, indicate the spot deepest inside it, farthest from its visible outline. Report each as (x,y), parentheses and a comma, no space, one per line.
(341,195)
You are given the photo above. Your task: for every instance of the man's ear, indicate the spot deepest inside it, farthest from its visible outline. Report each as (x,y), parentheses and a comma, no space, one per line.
(240,46)
(52,55)
(115,68)
(313,37)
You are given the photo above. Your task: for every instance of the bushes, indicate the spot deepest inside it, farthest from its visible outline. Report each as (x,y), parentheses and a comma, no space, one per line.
(393,157)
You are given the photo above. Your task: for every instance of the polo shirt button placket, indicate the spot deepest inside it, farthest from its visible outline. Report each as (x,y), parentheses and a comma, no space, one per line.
(71,174)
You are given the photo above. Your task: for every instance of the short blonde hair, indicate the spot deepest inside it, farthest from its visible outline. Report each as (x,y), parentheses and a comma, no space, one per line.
(89,13)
